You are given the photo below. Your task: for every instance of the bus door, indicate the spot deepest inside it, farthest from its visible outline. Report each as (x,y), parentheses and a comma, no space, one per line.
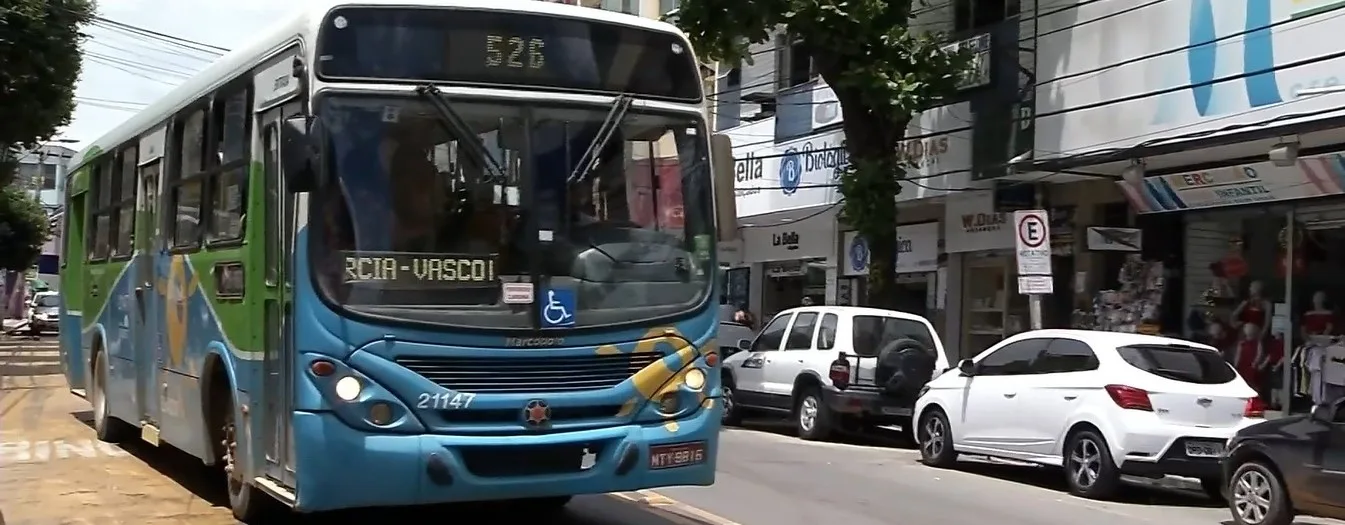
(149,347)
(73,296)
(281,209)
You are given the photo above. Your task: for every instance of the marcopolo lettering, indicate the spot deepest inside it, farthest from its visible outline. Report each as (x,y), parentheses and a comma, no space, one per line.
(789,240)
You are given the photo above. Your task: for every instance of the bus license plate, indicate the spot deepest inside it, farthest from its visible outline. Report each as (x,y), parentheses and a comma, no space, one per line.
(676,455)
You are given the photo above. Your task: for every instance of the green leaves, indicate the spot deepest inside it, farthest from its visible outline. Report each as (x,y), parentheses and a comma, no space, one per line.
(883,71)
(39,50)
(23,229)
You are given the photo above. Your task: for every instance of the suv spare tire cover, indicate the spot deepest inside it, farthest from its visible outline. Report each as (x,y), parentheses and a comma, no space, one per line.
(915,362)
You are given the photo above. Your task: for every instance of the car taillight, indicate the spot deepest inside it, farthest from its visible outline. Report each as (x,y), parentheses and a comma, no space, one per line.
(840,372)
(1130,398)
(1256,408)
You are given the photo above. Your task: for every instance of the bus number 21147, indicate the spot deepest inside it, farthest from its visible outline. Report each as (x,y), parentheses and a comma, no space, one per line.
(445,400)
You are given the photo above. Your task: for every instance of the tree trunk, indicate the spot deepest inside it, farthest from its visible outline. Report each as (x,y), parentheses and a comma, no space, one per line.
(873,139)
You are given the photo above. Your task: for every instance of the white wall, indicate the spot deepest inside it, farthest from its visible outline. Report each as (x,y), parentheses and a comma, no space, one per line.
(1090,66)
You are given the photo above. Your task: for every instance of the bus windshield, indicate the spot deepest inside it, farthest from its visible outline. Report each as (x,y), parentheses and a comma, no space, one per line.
(414,224)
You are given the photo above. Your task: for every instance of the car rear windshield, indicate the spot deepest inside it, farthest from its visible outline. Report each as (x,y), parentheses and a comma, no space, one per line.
(1180,363)
(871,333)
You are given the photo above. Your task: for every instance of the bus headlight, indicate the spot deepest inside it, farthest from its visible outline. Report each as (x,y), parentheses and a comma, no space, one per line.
(695,379)
(348,388)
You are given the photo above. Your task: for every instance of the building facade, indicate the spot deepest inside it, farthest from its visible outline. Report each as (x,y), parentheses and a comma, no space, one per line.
(965,177)
(1223,129)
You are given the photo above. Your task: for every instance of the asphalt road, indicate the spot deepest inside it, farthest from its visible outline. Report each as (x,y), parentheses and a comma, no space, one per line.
(766,477)
(53,472)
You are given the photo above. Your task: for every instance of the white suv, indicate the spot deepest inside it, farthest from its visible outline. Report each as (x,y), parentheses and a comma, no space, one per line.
(1100,404)
(830,366)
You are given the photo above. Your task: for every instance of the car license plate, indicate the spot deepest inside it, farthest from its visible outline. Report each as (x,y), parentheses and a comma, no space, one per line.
(1204,449)
(676,455)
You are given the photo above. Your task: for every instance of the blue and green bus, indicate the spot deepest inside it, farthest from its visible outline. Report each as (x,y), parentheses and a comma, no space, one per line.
(399,253)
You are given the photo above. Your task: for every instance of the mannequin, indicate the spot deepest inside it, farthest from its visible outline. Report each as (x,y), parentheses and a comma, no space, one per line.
(1319,320)
(1249,355)
(1255,310)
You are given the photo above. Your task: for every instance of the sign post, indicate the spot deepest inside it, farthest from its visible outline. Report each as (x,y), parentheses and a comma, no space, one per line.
(1032,232)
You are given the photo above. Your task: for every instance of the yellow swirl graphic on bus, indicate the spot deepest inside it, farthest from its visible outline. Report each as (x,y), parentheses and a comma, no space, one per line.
(178,293)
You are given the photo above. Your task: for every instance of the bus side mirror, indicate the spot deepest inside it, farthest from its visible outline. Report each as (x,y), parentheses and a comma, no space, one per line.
(298,163)
(721,165)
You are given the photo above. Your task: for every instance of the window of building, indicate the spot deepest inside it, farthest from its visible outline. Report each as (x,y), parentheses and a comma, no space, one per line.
(799,65)
(969,15)
(664,6)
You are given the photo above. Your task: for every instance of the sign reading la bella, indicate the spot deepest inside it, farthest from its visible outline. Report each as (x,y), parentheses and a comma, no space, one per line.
(917,250)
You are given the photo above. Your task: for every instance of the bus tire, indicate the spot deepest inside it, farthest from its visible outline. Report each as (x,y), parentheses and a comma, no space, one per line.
(107,427)
(248,503)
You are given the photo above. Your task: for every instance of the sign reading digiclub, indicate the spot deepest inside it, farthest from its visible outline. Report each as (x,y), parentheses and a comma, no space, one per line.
(917,250)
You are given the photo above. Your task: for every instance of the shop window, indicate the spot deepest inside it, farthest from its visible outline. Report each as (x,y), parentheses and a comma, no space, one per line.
(801,333)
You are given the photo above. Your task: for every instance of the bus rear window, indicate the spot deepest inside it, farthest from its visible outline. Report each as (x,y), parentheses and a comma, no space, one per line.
(1188,364)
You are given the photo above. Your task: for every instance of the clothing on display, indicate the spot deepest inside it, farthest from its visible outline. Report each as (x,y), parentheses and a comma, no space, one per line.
(1321,370)
(1135,307)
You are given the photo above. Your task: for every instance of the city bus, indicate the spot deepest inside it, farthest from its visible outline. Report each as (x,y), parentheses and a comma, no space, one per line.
(411,252)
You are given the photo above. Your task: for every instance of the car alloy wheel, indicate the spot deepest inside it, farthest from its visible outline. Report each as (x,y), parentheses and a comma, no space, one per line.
(1252,496)
(935,430)
(1085,463)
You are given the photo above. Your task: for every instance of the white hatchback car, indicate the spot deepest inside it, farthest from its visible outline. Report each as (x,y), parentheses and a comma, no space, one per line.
(1099,404)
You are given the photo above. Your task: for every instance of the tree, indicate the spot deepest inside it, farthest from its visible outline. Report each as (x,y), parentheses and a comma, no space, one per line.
(23,229)
(39,50)
(883,71)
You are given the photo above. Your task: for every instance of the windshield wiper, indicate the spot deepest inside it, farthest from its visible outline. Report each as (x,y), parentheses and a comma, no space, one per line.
(589,160)
(456,126)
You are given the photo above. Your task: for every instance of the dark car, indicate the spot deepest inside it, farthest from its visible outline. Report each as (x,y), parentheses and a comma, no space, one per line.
(1288,467)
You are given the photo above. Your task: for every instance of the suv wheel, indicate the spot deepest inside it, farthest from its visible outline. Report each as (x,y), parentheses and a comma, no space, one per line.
(733,415)
(811,416)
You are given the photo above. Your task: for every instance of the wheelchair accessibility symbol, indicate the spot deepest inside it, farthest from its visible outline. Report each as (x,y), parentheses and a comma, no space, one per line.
(558,309)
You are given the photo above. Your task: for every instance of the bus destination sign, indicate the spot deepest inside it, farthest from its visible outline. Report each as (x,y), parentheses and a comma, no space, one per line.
(420,269)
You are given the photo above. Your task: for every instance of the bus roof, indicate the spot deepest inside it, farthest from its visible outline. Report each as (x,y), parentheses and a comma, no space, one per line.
(303,24)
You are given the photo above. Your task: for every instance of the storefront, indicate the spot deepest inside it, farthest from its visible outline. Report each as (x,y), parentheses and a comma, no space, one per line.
(917,267)
(793,261)
(979,243)
(1264,270)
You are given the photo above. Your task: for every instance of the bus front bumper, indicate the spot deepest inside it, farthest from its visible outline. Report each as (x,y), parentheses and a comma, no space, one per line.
(340,467)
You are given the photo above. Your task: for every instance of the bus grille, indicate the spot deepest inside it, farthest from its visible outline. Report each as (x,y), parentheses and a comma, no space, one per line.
(523,375)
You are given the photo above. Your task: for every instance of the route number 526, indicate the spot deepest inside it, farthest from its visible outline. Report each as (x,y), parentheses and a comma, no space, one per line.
(445,400)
